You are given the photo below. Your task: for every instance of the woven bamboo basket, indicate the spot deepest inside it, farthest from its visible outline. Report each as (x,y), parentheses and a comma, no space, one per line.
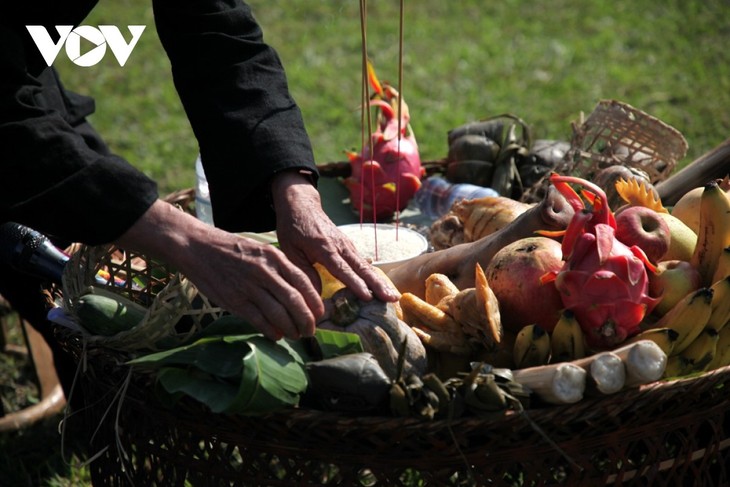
(615,133)
(664,433)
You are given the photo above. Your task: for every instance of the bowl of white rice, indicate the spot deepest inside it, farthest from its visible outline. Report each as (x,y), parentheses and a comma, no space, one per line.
(391,247)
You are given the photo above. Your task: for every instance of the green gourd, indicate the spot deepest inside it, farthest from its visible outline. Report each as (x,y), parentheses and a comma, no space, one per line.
(108,315)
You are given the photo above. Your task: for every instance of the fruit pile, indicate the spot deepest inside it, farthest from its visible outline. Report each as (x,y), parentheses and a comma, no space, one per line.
(575,295)
(627,295)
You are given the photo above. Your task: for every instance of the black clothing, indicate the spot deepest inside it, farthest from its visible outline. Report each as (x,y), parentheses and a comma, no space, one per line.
(233,89)
(58,176)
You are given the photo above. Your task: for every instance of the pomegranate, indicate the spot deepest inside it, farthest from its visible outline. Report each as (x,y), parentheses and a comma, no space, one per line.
(515,273)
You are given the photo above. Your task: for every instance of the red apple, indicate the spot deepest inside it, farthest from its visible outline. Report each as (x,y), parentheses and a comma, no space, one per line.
(643,227)
(673,281)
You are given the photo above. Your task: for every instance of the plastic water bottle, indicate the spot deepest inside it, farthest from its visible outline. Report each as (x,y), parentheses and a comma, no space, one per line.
(203,207)
(436,195)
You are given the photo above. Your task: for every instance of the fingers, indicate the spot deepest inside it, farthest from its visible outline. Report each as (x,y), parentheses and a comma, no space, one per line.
(339,257)
(362,278)
(277,317)
(257,282)
(286,302)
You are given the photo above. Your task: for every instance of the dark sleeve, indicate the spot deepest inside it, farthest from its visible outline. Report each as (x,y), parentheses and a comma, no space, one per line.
(234,90)
(51,179)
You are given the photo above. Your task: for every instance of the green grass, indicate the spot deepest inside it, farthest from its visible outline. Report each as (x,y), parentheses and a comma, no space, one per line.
(545,61)
(463,60)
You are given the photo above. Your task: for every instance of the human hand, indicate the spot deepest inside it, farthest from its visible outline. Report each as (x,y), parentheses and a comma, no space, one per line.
(249,279)
(308,236)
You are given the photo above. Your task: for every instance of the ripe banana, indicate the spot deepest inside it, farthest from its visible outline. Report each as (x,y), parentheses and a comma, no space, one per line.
(665,338)
(722,351)
(720,314)
(697,356)
(688,317)
(723,265)
(714,231)
(566,340)
(532,347)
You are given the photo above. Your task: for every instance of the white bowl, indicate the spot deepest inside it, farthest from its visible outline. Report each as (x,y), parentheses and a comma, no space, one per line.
(394,246)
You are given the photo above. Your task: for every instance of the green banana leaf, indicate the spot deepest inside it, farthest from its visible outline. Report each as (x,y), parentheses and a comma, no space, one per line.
(233,374)
(231,368)
(326,344)
(216,394)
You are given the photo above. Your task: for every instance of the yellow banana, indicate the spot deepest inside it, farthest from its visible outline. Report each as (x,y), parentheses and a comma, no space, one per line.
(566,340)
(665,338)
(723,265)
(532,347)
(675,367)
(698,355)
(722,351)
(714,232)
(720,314)
(688,317)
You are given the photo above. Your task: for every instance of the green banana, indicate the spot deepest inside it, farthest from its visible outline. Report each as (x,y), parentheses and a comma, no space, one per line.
(665,338)
(713,234)
(566,340)
(720,314)
(697,357)
(532,347)
(688,317)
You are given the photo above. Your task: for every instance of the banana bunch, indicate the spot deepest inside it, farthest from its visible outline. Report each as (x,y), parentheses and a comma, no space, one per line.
(701,348)
(693,330)
(713,236)
(567,341)
(534,346)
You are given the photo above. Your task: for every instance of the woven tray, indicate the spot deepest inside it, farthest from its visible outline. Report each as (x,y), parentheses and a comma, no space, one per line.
(664,433)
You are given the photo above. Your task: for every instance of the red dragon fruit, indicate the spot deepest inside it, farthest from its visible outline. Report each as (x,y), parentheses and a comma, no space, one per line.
(603,281)
(384,182)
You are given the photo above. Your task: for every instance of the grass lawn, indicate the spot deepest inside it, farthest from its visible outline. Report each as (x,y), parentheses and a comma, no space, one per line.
(464,60)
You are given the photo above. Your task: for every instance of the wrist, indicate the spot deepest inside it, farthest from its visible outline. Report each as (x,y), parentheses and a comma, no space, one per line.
(164,232)
(287,177)
(293,187)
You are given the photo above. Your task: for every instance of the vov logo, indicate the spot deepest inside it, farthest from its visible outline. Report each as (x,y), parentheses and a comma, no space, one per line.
(71,37)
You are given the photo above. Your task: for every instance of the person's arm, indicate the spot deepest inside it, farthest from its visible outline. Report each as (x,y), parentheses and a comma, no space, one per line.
(52,180)
(308,236)
(252,136)
(247,278)
(234,91)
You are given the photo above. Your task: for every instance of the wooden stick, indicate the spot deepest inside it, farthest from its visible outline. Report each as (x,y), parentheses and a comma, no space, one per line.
(712,165)
(562,383)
